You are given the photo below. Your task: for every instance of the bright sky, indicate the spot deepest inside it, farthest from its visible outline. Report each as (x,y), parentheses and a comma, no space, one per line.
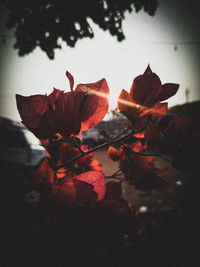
(148,40)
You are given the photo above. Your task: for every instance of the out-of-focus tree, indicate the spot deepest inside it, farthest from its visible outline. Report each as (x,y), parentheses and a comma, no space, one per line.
(41,23)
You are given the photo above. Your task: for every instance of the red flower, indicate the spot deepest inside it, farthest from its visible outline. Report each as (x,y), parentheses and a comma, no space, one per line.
(71,192)
(85,163)
(143,175)
(152,135)
(45,173)
(140,170)
(60,153)
(66,152)
(145,92)
(94,165)
(79,191)
(85,160)
(178,131)
(64,113)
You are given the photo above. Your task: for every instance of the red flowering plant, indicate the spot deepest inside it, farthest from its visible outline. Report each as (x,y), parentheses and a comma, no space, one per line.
(143,108)
(75,212)
(56,119)
(74,177)
(144,98)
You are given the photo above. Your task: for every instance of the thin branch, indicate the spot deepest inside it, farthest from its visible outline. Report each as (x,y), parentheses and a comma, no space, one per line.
(113,177)
(145,154)
(115,140)
(151,155)
(118,172)
(77,146)
(123,132)
(115,174)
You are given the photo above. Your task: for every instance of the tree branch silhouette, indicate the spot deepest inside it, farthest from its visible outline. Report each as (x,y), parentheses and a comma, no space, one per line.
(41,23)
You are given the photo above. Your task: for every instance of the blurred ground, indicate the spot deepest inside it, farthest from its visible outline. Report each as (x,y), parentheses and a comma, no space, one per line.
(109,166)
(153,200)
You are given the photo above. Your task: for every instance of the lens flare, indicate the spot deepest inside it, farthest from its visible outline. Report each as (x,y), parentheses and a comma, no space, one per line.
(88,90)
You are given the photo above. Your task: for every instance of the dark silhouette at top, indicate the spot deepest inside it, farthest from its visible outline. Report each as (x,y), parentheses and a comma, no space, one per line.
(41,22)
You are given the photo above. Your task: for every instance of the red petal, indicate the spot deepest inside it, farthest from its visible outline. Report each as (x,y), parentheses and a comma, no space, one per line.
(145,89)
(124,163)
(56,99)
(34,111)
(139,135)
(164,121)
(145,176)
(95,178)
(67,152)
(72,193)
(64,196)
(138,147)
(85,193)
(31,108)
(44,173)
(85,160)
(62,173)
(168,90)
(152,135)
(55,95)
(64,118)
(69,121)
(148,71)
(71,79)
(94,106)
(95,165)
(151,159)
(158,110)
(125,102)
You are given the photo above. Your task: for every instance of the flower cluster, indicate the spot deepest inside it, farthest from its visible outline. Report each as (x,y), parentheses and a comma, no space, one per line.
(74,177)
(64,113)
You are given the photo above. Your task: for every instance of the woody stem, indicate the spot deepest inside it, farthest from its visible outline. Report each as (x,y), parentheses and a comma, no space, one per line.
(115,174)
(144,154)
(117,139)
(79,148)
(113,141)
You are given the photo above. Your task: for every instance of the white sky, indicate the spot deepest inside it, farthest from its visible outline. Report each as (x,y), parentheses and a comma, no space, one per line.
(148,40)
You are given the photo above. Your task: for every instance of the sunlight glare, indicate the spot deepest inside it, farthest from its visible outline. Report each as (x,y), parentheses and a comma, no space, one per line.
(88,90)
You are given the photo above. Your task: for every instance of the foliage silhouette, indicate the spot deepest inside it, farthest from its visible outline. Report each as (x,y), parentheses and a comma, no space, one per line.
(42,23)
